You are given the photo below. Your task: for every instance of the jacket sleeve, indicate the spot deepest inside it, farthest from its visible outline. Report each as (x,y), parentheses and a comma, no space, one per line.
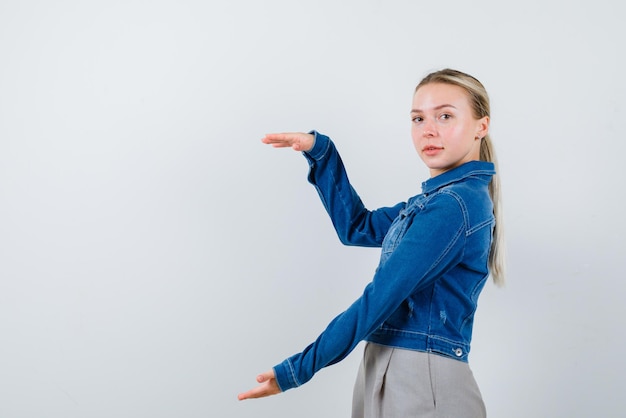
(354,224)
(433,244)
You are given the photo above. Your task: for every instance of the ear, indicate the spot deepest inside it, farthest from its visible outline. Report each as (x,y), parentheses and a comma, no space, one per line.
(482,127)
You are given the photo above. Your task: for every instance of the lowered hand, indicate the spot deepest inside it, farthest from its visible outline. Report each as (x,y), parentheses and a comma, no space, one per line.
(267,387)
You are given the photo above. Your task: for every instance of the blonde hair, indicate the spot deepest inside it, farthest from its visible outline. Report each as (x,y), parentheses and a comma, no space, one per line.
(479,100)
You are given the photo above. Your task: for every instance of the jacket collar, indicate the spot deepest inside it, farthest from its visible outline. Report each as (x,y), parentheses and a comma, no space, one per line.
(470,168)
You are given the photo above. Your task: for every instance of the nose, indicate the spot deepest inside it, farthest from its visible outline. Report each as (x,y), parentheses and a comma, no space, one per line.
(428,128)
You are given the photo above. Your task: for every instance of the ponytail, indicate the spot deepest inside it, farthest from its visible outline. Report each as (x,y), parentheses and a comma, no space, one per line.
(496,254)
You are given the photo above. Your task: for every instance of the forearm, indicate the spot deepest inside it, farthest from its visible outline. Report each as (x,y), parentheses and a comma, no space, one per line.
(354,223)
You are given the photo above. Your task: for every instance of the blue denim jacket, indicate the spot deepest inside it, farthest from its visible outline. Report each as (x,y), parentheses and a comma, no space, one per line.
(433,264)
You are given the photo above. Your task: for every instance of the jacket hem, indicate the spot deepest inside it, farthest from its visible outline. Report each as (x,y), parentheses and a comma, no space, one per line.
(418,341)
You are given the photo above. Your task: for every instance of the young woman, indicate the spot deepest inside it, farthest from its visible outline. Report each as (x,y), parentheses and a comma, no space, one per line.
(438,249)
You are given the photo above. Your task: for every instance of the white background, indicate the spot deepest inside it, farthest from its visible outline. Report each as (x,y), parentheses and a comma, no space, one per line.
(155,256)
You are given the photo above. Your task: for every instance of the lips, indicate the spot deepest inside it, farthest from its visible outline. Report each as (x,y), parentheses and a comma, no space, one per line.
(431,150)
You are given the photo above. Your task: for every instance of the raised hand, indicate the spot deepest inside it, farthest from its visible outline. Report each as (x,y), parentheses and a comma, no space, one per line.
(299,141)
(267,387)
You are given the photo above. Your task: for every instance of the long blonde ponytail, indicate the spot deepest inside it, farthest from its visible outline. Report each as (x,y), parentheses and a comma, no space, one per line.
(497,261)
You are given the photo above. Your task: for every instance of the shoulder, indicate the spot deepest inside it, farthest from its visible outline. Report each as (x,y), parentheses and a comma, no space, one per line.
(471,197)
(445,203)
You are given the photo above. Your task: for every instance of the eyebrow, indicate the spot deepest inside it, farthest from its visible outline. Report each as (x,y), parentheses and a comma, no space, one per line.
(434,108)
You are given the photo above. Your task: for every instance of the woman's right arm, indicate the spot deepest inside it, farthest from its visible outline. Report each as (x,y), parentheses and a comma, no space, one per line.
(355,225)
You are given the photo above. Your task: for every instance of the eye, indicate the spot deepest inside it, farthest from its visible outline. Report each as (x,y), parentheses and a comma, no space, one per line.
(417,119)
(445,116)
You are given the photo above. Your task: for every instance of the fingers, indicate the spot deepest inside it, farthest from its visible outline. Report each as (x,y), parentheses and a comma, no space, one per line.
(282,137)
(251,394)
(278,140)
(297,140)
(258,392)
(265,376)
(267,387)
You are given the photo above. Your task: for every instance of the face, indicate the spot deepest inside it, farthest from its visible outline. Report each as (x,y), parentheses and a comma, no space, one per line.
(445,132)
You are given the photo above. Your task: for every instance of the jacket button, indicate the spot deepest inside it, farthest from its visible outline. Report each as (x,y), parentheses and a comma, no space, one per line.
(458,352)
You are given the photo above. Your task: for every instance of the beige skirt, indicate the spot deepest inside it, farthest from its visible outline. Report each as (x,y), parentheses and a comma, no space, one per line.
(399,383)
